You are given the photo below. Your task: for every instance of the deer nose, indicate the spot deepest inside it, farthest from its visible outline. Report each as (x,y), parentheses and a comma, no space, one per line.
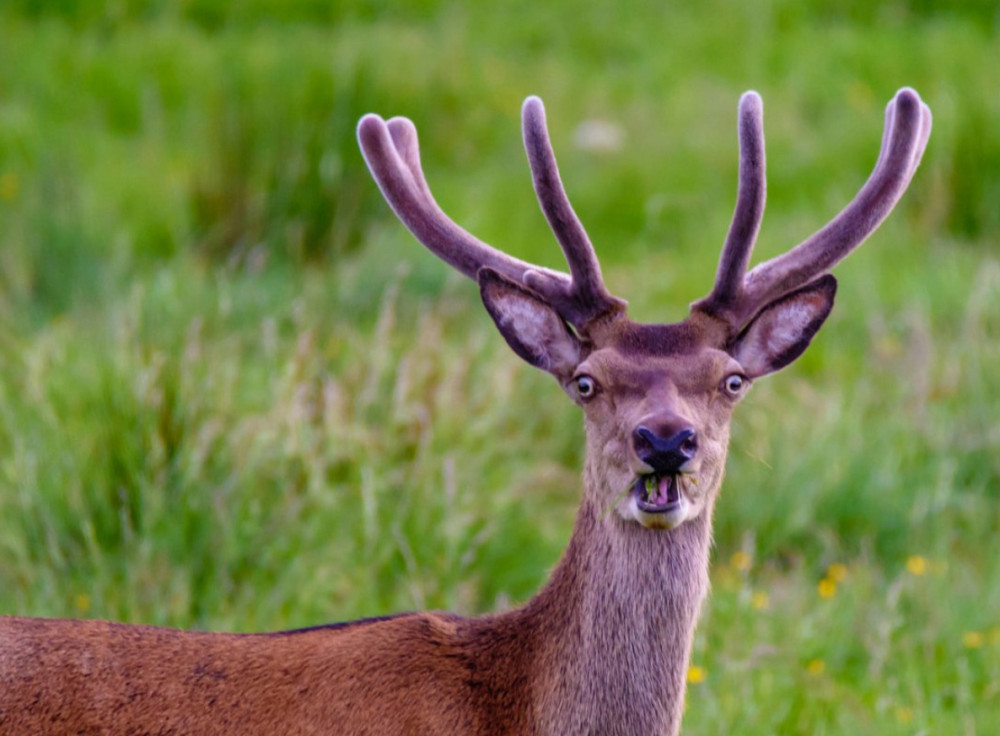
(665,455)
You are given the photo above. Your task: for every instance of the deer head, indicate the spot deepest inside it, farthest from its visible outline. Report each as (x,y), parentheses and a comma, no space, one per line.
(657,398)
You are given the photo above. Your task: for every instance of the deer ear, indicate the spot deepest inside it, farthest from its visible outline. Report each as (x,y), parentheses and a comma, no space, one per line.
(782,331)
(530,325)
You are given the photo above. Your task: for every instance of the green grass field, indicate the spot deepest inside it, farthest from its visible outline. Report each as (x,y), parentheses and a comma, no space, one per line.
(235,394)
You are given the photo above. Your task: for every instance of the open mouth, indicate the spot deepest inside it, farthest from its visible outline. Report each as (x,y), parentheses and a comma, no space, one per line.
(657,494)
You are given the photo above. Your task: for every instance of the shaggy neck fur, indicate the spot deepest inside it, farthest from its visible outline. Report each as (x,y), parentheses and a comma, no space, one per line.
(614,625)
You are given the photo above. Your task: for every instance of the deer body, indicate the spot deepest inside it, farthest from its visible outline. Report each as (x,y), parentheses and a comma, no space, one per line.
(586,655)
(604,647)
(396,676)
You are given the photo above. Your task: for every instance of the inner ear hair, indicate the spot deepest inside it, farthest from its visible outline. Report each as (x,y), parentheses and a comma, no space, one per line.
(783,329)
(530,325)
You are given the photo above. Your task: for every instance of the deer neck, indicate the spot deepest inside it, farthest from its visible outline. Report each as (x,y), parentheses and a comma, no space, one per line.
(615,623)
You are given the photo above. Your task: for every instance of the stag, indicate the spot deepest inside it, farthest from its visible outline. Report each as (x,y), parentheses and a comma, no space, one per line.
(604,647)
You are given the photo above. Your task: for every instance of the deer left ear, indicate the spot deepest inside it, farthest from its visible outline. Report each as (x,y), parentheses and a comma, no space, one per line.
(530,325)
(782,331)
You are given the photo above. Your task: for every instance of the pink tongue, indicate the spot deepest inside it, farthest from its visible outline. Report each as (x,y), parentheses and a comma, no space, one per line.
(663,490)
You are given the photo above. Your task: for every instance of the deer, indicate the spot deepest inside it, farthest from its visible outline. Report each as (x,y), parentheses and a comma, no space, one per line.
(604,646)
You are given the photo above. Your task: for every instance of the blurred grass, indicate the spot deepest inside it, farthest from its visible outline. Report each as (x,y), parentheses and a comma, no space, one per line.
(234,394)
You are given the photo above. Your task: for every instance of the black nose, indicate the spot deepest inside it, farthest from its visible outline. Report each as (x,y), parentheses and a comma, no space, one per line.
(665,456)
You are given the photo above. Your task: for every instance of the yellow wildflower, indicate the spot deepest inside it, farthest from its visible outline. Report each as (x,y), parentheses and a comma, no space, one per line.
(972,640)
(696,674)
(760,600)
(837,572)
(816,667)
(740,560)
(82,602)
(916,565)
(904,714)
(827,588)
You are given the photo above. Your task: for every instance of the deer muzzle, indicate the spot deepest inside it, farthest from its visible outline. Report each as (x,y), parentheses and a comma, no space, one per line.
(657,495)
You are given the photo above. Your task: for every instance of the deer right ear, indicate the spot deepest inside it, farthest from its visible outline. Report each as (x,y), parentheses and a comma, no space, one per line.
(530,325)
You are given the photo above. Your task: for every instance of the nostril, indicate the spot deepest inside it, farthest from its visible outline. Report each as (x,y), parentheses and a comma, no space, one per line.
(644,441)
(688,445)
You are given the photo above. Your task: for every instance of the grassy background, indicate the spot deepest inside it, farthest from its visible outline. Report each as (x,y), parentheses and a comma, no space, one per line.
(235,394)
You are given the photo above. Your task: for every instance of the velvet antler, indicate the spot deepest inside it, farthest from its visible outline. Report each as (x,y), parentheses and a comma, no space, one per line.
(393,155)
(737,297)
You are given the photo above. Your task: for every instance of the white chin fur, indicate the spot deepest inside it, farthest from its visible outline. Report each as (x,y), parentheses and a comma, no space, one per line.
(629,509)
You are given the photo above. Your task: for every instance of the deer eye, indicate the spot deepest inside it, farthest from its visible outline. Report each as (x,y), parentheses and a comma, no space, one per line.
(586,387)
(734,384)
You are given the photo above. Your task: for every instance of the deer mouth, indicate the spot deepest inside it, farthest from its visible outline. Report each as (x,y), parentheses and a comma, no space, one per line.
(657,494)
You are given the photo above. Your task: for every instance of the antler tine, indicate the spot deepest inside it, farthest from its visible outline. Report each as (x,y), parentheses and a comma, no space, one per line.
(750,197)
(404,137)
(908,127)
(587,297)
(392,152)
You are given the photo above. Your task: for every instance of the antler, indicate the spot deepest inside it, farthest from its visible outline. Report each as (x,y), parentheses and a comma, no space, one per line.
(737,297)
(392,152)
(751,193)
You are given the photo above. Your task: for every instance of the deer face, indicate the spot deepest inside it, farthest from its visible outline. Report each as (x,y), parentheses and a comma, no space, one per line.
(658,429)
(657,399)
